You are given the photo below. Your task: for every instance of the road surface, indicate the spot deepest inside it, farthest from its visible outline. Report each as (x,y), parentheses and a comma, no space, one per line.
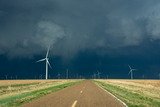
(85,94)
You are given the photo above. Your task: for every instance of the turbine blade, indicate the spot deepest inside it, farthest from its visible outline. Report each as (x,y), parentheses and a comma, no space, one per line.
(41,60)
(129,72)
(129,67)
(49,64)
(47,52)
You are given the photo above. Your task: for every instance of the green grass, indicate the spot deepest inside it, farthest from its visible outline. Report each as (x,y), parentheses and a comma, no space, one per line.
(132,99)
(17,100)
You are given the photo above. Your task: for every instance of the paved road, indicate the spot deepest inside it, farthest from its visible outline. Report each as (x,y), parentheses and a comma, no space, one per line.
(85,94)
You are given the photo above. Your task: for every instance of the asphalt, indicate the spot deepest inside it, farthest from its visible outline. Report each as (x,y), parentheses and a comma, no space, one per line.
(85,94)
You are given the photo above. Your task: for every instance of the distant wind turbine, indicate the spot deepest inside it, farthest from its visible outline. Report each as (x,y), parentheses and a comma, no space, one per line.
(98,74)
(40,76)
(59,75)
(94,76)
(131,71)
(107,76)
(6,77)
(67,74)
(47,62)
(16,77)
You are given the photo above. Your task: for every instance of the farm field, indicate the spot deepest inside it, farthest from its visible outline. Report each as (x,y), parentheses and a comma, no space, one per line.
(16,92)
(135,93)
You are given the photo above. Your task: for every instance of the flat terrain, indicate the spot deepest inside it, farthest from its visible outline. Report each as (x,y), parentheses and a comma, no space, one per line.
(11,87)
(139,93)
(78,93)
(14,93)
(13,82)
(85,94)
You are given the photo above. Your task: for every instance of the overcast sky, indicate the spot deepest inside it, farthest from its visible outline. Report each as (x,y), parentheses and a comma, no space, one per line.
(117,31)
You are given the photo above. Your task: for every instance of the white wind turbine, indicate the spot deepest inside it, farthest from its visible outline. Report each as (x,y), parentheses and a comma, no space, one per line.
(94,76)
(131,71)
(67,74)
(58,75)
(98,74)
(47,62)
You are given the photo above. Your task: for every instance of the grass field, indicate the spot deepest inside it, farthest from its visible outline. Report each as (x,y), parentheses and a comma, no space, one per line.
(14,93)
(135,93)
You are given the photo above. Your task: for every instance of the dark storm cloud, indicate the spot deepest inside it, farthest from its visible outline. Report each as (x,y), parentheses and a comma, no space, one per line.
(27,27)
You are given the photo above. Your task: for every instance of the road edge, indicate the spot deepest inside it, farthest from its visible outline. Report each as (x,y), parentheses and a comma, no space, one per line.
(112,95)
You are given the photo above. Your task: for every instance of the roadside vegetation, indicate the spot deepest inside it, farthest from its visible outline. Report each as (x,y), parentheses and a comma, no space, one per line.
(18,94)
(135,93)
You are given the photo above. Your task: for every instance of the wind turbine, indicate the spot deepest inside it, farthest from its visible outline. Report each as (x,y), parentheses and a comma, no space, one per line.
(58,75)
(67,74)
(94,76)
(6,76)
(131,71)
(16,77)
(47,62)
(98,74)
(40,76)
(107,76)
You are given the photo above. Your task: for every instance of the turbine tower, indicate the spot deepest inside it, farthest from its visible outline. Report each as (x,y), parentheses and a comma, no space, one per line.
(58,75)
(47,62)
(94,76)
(131,71)
(6,77)
(67,74)
(98,74)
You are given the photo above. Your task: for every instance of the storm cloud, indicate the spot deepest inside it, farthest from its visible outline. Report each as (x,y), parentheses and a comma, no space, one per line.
(109,27)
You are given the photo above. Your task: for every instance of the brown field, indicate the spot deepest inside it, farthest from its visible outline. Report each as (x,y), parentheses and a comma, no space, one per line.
(147,87)
(139,93)
(135,93)
(13,82)
(9,88)
(14,93)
